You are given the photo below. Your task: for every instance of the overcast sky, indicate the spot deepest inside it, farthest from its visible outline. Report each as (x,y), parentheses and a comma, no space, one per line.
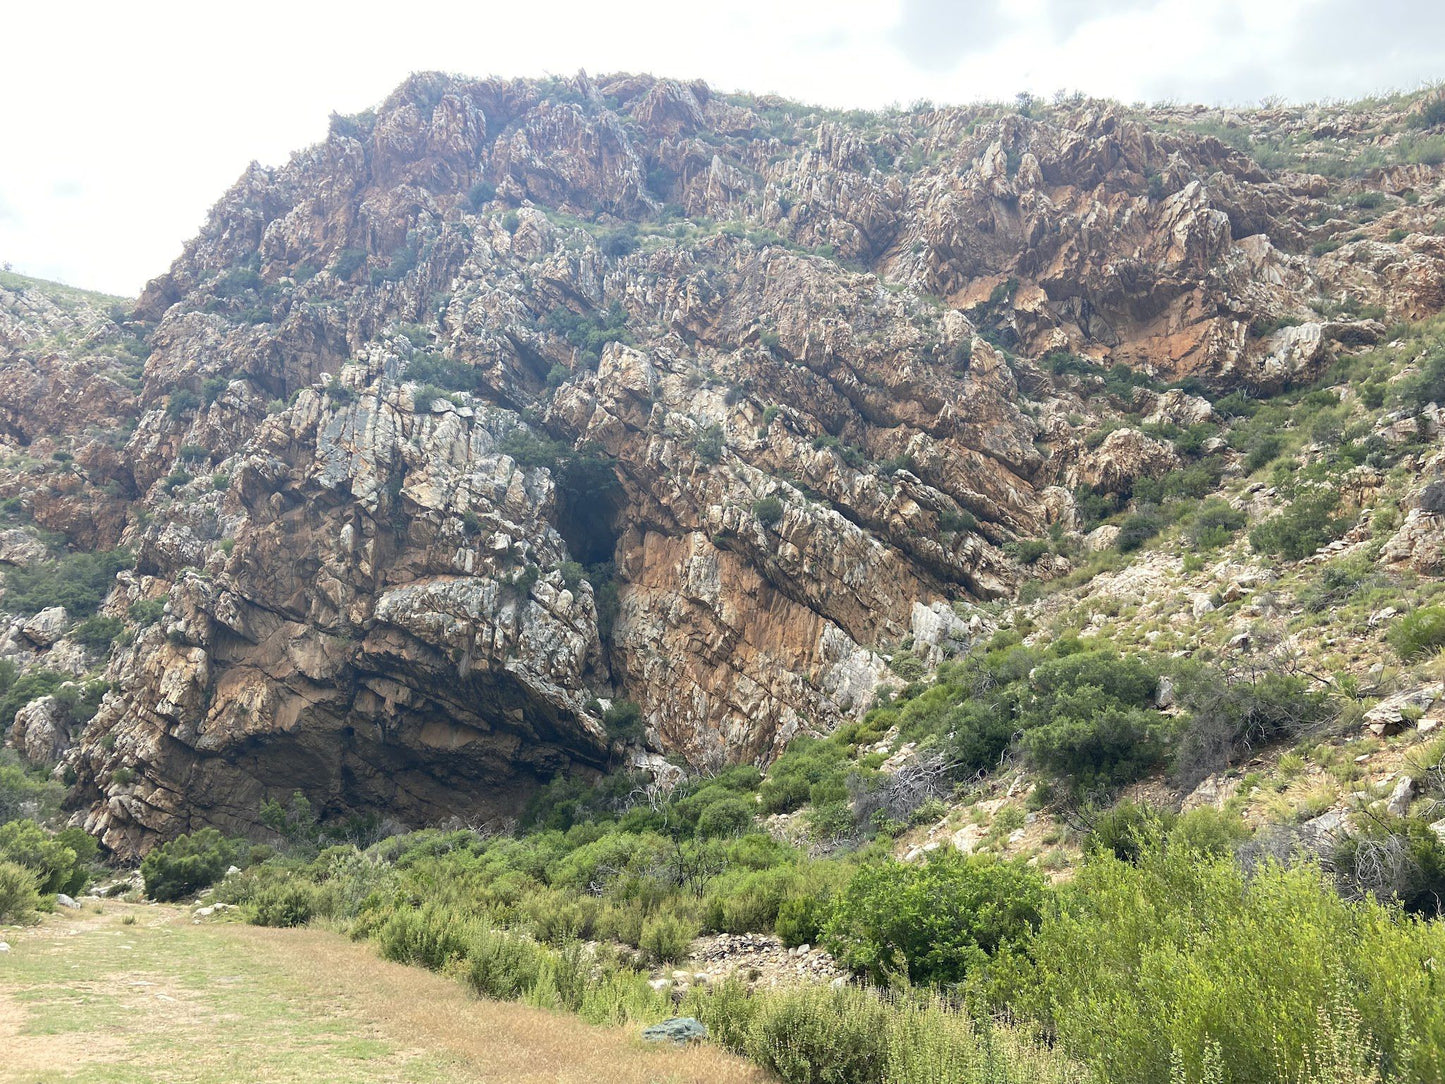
(123,123)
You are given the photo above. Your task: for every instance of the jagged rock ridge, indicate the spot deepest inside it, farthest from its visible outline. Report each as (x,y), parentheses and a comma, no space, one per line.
(762,370)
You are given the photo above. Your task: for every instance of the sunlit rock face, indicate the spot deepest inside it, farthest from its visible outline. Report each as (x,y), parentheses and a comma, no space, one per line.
(512,399)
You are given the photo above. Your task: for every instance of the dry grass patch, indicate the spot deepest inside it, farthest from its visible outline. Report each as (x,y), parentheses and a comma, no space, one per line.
(87,997)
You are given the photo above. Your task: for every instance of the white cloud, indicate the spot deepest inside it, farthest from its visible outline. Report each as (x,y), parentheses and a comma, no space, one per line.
(151,111)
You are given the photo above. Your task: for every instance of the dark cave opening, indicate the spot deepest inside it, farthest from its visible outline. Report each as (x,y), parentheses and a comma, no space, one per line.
(589,506)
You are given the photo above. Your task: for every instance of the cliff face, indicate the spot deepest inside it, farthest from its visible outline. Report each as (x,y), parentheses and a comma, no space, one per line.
(511,399)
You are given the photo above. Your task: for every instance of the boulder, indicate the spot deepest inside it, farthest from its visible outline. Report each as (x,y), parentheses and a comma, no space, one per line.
(1398,803)
(1394,713)
(47,626)
(40,733)
(20,547)
(678,1029)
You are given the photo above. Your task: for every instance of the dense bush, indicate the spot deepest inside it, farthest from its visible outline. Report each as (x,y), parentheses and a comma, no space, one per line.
(1137,529)
(289,902)
(19,896)
(667,938)
(1307,524)
(189,863)
(55,864)
(1182,967)
(1393,858)
(1418,633)
(24,793)
(768,511)
(1214,524)
(949,921)
(77,581)
(1230,714)
(1088,719)
(442,372)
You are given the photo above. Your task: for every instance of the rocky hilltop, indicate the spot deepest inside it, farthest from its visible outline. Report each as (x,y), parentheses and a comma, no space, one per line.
(530,427)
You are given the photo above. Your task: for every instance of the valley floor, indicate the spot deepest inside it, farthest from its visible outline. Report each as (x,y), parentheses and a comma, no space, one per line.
(140,993)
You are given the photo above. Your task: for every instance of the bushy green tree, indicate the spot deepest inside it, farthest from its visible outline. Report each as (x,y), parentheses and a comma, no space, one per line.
(1183,967)
(189,863)
(56,866)
(951,920)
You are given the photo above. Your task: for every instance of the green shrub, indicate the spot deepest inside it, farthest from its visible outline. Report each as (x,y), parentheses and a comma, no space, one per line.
(98,631)
(442,372)
(1027,550)
(709,442)
(768,511)
(289,902)
(77,581)
(1127,830)
(19,896)
(1137,529)
(182,401)
(1214,524)
(725,817)
(800,921)
(1094,741)
(1307,524)
(1398,859)
(25,794)
(1418,633)
(189,863)
(56,866)
(432,935)
(500,966)
(1087,719)
(1230,714)
(1183,967)
(623,720)
(949,921)
(667,938)
(147,611)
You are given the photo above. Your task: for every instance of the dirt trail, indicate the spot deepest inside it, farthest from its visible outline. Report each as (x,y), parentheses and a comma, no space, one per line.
(142,993)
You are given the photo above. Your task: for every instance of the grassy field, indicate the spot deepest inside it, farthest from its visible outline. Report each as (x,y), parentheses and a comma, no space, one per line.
(141,993)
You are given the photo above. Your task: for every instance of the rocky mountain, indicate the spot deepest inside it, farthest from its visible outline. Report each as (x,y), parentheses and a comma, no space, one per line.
(530,427)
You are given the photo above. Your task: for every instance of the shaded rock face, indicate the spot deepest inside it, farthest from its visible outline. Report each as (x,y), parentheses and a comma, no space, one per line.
(737,391)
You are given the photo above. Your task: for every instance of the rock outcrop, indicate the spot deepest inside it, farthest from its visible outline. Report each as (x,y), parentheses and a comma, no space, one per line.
(512,400)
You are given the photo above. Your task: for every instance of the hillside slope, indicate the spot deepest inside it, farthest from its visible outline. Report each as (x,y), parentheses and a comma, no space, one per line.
(520,426)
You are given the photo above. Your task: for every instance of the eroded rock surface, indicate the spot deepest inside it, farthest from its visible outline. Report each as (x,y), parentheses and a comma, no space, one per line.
(512,400)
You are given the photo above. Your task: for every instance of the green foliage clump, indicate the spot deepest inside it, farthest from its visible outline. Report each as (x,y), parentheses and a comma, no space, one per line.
(1214,524)
(348,261)
(289,901)
(189,863)
(1185,967)
(182,401)
(667,938)
(19,896)
(1231,714)
(442,372)
(51,858)
(98,631)
(1398,859)
(1089,719)
(623,720)
(589,332)
(25,794)
(1307,524)
(77,581)
(952,920)
(768,511)
(1418,633)
(709,442)
(146,611)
